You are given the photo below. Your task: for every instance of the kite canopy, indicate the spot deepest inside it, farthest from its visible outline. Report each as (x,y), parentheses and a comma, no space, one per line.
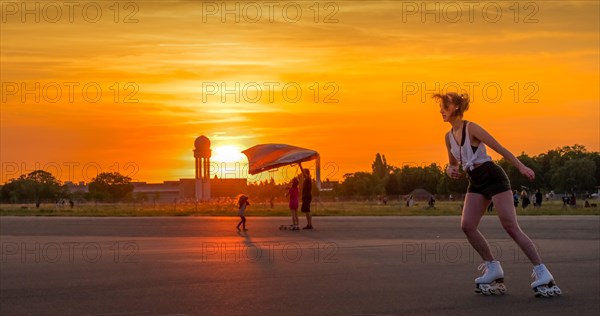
(265,157)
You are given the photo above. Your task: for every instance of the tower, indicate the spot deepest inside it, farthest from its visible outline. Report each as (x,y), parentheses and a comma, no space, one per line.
(202,154)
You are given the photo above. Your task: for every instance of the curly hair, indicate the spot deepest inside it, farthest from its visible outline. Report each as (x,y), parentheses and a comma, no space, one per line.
(461,101)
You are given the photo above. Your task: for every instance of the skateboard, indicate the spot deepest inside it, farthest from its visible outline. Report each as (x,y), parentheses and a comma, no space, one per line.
(288,227)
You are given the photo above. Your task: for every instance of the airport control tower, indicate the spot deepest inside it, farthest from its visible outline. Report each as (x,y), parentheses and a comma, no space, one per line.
(202,154)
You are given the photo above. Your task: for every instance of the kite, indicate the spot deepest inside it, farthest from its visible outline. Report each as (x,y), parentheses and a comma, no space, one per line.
(265,157)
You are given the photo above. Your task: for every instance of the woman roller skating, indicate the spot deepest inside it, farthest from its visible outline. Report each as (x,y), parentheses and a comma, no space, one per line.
(466,143)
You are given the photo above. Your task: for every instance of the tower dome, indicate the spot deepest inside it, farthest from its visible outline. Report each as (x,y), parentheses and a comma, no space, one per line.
(202,142)
(202,147)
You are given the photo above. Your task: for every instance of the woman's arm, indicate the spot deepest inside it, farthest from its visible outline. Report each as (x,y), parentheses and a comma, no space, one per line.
(483,136)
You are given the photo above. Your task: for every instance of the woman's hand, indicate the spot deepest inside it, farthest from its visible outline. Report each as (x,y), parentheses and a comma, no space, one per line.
(527,172)
(453,172)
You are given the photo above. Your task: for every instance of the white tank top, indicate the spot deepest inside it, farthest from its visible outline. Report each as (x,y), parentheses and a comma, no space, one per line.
(465,155)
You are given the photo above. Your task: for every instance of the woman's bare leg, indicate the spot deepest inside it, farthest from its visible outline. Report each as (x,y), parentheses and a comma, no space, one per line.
(503,202)
(475,205)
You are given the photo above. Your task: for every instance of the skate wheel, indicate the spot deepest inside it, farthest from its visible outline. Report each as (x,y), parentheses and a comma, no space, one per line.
(541,294)
(484,289)
(556,290)
(542,291)
(545,294)
(502,288)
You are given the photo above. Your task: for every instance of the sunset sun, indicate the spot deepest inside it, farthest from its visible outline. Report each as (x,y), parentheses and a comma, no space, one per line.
(227,153)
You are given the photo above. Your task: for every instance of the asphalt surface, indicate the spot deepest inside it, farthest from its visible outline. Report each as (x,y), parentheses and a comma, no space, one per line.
(346,266)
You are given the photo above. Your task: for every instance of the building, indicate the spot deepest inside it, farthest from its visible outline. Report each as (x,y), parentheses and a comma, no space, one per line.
(201,188)
(184,190)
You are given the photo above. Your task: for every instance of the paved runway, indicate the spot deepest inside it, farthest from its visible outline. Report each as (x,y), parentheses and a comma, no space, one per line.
(346,266)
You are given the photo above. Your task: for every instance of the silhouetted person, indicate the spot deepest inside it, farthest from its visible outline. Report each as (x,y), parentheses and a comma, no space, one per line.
(490,207)
(410,202)
(538,198)
(525,199)
(431,201)
(293,195)
(242,204)
(565,200)
(306,197)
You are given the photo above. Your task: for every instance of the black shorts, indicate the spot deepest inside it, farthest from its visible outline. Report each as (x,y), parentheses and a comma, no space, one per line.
(306,204)
(488,180)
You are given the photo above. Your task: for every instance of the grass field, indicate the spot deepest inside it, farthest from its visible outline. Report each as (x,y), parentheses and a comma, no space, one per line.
(281,209)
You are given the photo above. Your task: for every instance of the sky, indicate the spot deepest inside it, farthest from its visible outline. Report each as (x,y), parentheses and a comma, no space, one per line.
(127,86)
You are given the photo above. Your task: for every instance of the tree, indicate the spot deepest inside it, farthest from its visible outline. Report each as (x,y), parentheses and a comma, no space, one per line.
(266,190)
(576,175)
(15,191)
(429,177)
(517,180)
(392,186)
(573,152)
(548,163)
(110,187)
(410,178)
(447,186)
(551,162)
(596,158)
(380,166)
(361,184)
(37,186)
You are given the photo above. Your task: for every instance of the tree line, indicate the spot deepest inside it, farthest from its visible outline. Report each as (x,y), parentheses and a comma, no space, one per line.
(570,169)
(40,186)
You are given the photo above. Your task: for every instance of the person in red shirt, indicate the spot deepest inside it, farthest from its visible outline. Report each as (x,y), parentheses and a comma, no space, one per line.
(293,193)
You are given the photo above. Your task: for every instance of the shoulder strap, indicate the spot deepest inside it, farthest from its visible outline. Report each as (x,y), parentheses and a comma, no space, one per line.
(464,134)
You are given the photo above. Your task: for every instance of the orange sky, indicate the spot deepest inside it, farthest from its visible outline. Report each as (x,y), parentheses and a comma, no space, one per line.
(361,57)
